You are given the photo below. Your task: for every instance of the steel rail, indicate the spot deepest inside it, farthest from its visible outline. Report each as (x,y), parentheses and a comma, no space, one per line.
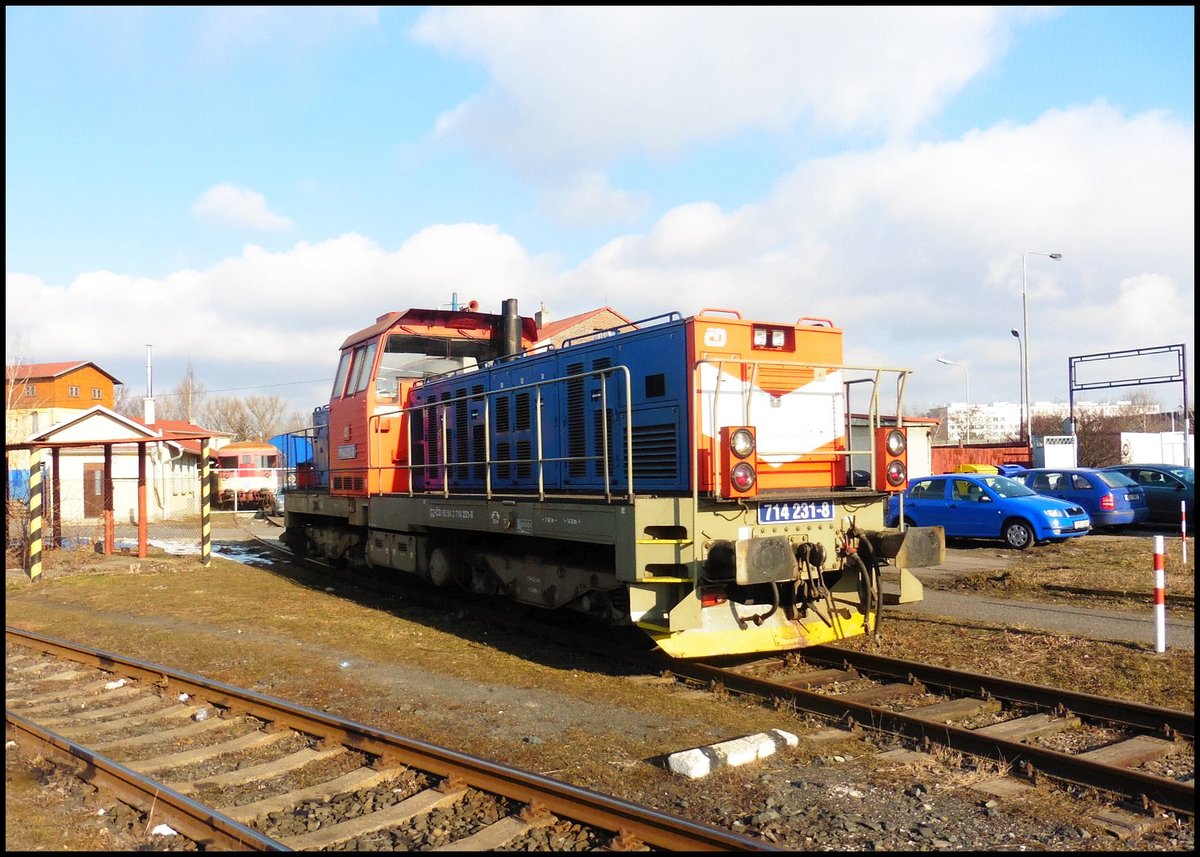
(645,824)
(1149,788)
(199,823)
(1170,720)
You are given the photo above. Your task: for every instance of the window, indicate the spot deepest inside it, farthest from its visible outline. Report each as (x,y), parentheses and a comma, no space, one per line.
(930,490)
(73,391)
(363,358)
(95,392)
(339,381)
(30,389)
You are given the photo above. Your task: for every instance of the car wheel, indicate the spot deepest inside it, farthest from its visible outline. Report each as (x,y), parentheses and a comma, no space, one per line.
(1018,535)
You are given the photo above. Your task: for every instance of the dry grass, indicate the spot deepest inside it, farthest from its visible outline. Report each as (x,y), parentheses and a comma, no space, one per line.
(328,643)
(1132,671)
(1117,569)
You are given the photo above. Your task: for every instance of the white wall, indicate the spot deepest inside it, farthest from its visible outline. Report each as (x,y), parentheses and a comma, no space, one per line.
(1157,448)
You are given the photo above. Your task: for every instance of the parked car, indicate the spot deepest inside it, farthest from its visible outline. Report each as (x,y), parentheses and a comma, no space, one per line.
(988,506)
(1166,485)
(1110,498)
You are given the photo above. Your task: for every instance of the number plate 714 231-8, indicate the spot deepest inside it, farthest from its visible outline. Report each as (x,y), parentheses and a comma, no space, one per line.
(795,512)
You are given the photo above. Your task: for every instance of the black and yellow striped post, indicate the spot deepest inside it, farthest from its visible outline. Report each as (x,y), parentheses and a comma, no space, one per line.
(205,508)
(35,513)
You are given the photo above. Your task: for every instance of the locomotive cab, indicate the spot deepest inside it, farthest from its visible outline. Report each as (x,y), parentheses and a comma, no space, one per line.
(367,426)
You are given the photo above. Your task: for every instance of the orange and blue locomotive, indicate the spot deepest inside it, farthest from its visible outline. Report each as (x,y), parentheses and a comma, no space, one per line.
(685,475)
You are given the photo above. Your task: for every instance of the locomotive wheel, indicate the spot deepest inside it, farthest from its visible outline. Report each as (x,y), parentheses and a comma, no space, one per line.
(442,567)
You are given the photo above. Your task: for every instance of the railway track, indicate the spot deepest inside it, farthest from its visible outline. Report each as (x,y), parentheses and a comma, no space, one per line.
(1113,746)
(232,769)
(1105,744)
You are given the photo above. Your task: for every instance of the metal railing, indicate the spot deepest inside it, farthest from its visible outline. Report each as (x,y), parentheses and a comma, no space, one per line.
(441,415)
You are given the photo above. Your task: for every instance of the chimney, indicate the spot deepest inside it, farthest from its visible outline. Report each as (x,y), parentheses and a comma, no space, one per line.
(542,317)
(148,402)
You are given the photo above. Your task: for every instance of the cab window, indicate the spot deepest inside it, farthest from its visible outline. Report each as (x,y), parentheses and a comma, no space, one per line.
(363,358)
(339,380)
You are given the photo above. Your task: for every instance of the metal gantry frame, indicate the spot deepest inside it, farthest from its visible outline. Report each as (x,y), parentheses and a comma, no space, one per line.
(1180,375)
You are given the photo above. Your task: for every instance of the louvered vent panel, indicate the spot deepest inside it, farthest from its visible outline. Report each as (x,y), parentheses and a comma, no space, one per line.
(576,430)
(654,452)
(525,459)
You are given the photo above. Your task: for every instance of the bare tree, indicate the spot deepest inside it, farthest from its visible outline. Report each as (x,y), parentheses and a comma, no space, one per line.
(125,404)
(267,415)
(17,375)
(185,402)
(229,415)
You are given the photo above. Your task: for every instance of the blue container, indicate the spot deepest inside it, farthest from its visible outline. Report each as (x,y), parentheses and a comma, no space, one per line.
(18,485)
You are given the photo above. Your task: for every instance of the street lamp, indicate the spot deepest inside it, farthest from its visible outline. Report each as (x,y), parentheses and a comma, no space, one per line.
(1025,340)
(1020,383)
(967,372)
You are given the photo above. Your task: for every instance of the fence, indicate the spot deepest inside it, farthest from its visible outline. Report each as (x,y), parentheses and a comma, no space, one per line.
(75,520)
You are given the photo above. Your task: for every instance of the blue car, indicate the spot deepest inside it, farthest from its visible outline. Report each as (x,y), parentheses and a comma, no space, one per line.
(1167,487)
(1110,498)
(987,506)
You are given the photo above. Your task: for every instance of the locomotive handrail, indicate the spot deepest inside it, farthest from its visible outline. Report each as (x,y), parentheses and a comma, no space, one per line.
(442,407)
(596,334)
(808,319)
(709,310)
(747,418)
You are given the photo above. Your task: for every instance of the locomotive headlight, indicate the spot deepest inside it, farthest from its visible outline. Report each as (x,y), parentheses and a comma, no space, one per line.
(742,476)
(897,474)
(777,339)
(741,443)
(760,337)
(897,443)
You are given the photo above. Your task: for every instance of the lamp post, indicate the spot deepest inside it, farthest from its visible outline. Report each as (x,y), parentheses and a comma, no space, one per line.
(1020,384)
(1025,339)
(966,372)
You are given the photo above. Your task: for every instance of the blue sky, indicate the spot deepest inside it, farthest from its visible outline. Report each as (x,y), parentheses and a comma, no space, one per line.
(240,188)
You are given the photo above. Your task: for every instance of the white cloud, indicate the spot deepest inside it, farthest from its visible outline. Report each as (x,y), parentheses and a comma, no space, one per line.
(238,206)
(914,250)
(265,312)
(590,198)
(586,84)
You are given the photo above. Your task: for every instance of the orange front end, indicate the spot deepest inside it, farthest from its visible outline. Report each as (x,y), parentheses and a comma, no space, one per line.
(781,381)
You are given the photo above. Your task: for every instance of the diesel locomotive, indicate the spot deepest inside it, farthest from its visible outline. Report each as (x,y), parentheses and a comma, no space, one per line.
(694,476)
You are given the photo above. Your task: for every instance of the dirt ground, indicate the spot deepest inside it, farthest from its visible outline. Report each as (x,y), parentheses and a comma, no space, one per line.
(326,641)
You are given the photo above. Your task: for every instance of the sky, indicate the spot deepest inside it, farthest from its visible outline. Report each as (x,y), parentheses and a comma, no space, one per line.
(233,191)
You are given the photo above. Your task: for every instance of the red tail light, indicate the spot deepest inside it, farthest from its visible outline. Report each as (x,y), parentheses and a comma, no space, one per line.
(713,596)
(738,462)
(1108,503)
(891,459)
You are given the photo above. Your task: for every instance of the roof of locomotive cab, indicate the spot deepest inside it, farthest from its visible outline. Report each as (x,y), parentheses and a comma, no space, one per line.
(455,319)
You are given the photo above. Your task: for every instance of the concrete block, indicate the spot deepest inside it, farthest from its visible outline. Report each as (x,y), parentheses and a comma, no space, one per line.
(702,761)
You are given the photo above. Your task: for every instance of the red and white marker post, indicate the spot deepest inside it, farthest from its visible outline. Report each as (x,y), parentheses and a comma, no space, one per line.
(1160,598)
(1183,529)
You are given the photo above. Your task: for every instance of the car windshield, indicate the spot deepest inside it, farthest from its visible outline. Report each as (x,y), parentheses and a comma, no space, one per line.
(1005,487)
(1115,479)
